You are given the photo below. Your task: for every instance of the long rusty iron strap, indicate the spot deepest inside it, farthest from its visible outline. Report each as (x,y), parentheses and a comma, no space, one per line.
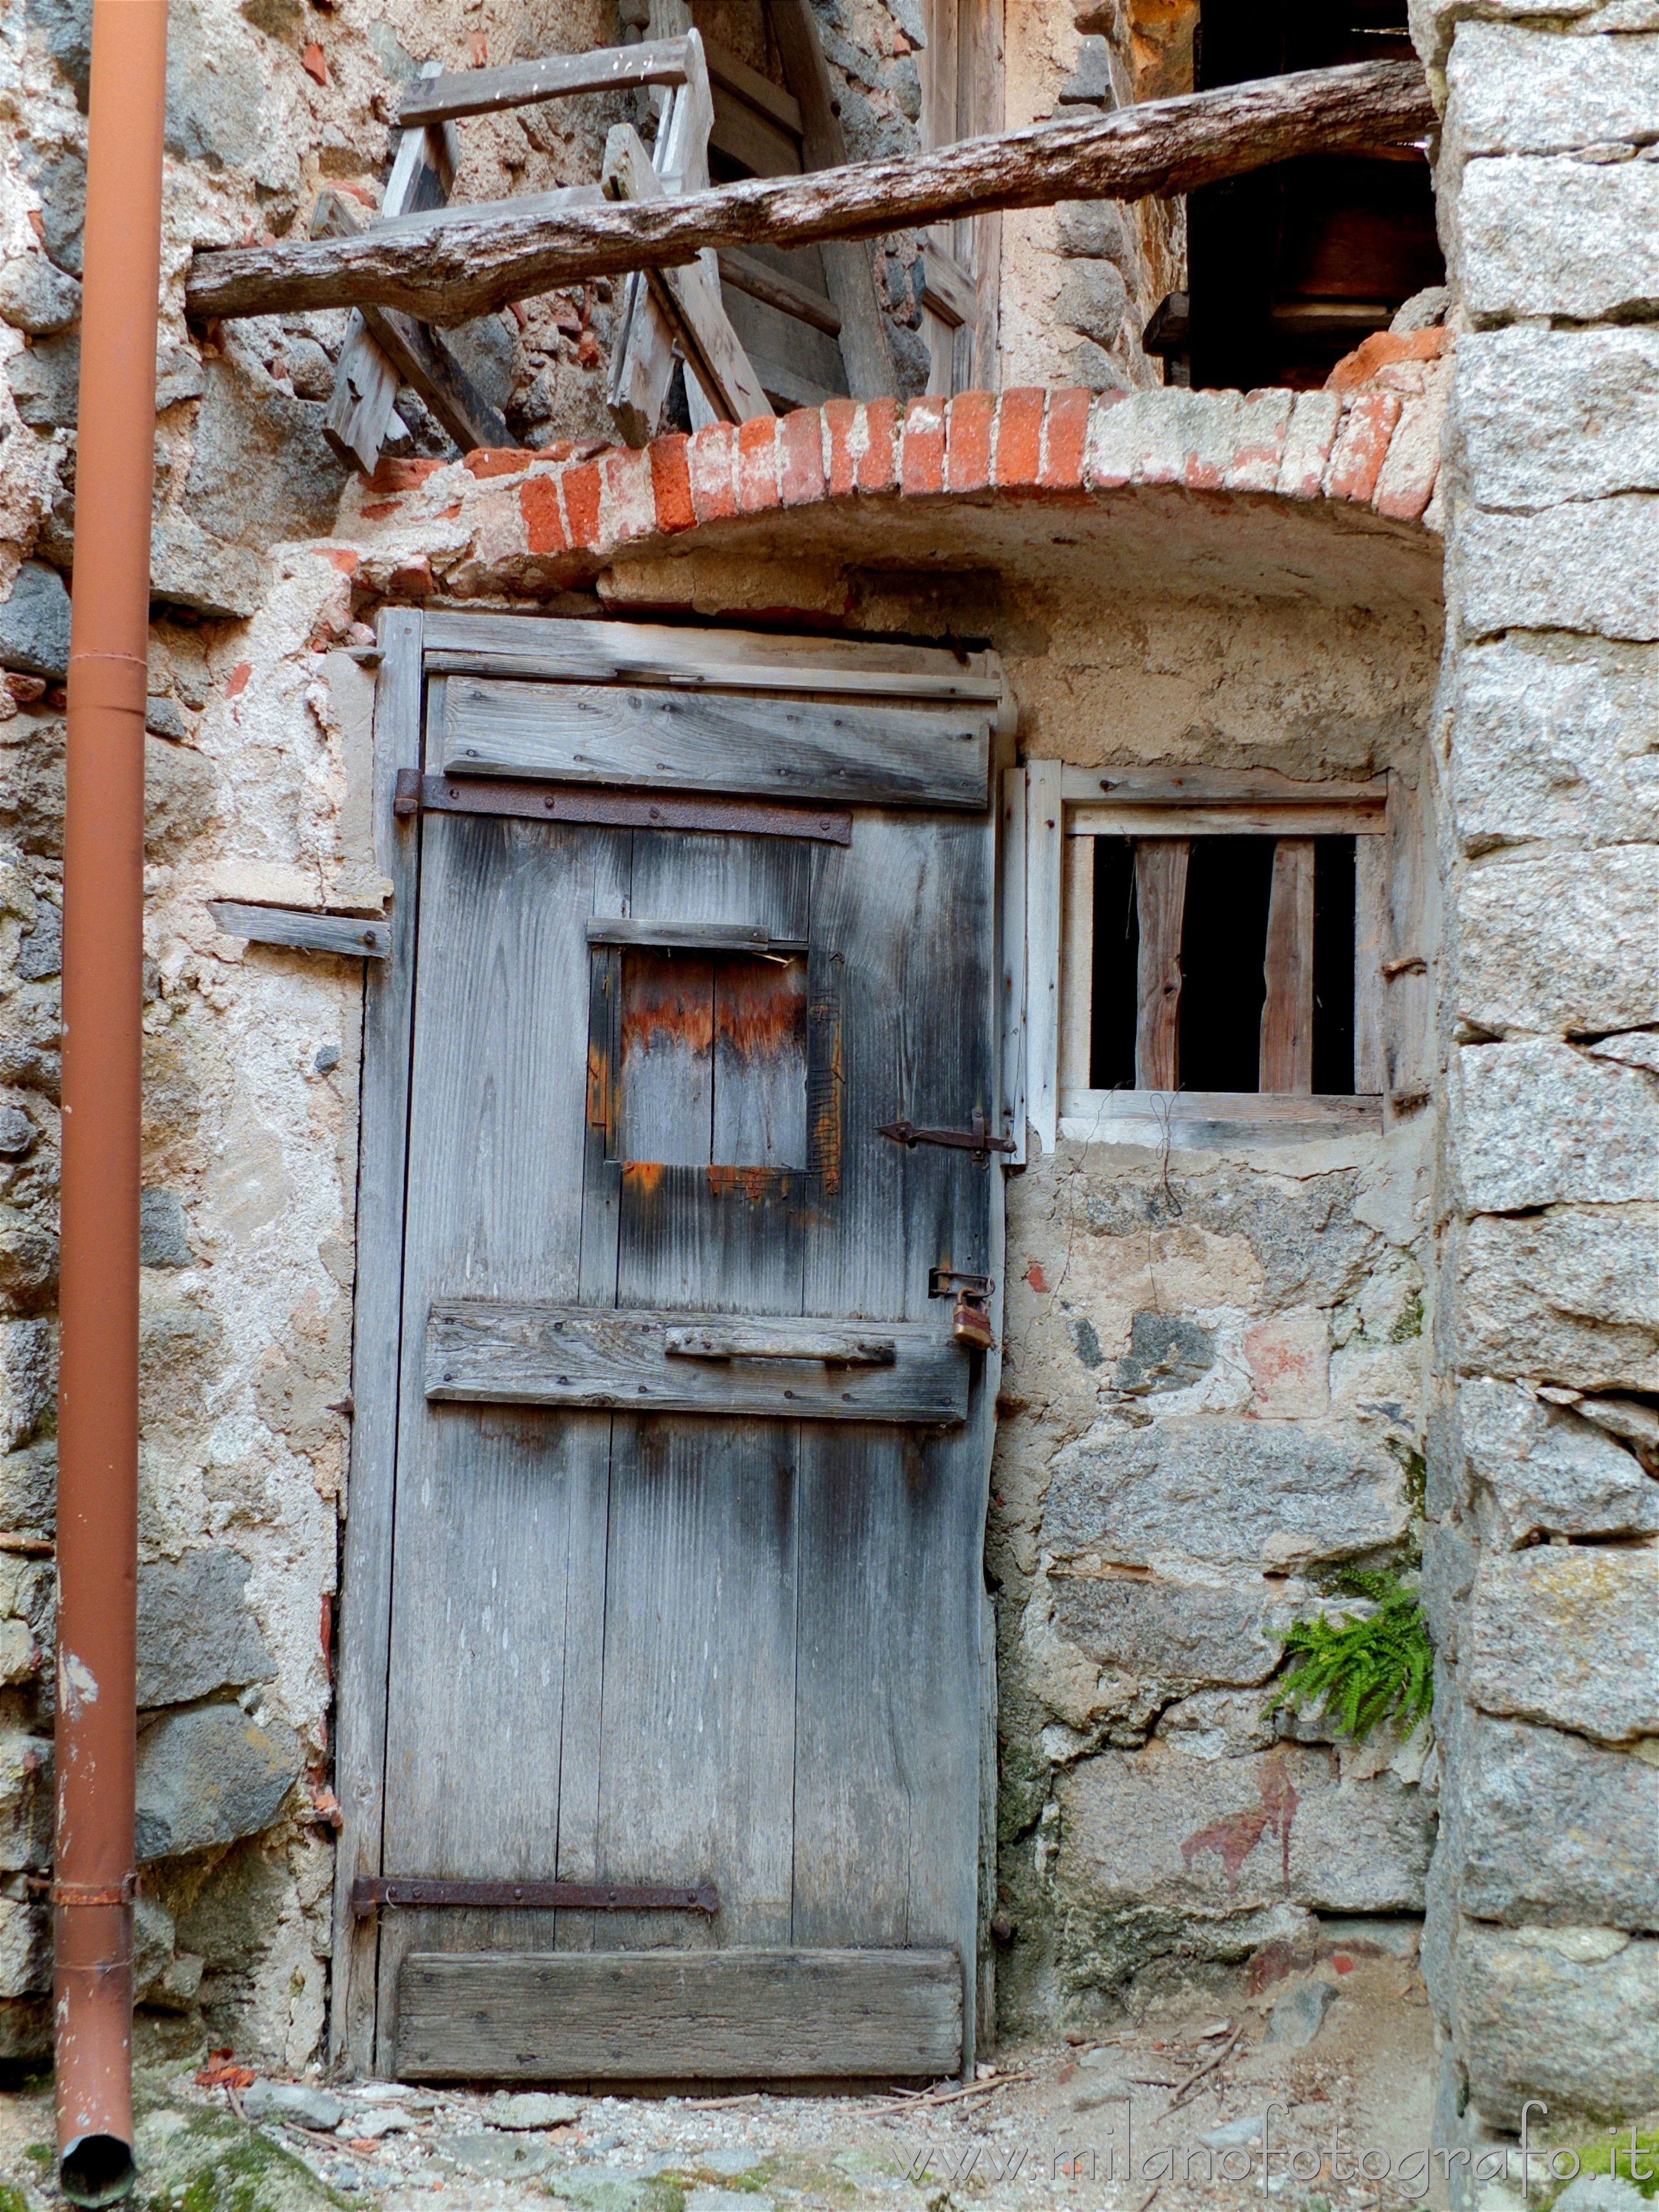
(459,262)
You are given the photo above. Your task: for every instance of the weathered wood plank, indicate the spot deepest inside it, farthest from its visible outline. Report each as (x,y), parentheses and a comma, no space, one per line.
(555,77)
(693,936)
(1160,910)
(483,1353)
(1044,828)
(642,360)
(1344,819)
(1011,932)
(365,1617)
(796,748)
(1209,787)
(737,1339)
(681,2015)
(622,810)
(349,935)
(1371,949)
(1199,1118)
(574,650)
(1287,1012)
(464,262)
(1077,962)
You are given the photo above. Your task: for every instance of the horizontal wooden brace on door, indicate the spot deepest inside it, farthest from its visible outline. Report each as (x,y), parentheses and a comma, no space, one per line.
(369,1893)
(480,1353)
(617,810)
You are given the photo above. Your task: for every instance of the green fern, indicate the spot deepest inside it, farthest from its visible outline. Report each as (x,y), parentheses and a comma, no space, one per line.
(1363,1671)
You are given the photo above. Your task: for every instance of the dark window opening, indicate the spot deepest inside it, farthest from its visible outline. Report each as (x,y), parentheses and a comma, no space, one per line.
(1223,947)
(1292,266)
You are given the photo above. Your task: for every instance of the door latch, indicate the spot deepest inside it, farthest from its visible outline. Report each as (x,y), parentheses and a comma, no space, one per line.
(976,1139)
(971,1321)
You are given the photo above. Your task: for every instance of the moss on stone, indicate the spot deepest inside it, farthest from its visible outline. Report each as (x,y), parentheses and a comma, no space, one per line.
(197,2161)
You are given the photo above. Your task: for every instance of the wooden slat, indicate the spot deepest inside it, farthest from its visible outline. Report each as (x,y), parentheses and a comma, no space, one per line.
(626,810)
(793,749)
(680,2014)
(349,935)
(744,273)
(699,936)
(483,1353)
(1371,949)
(1413,929)
(1160,910)
(947,288)
(733,75)
(1208,787)
(642,355)
(359,1709)
(1226,820)
(1208,1117)
(421,356)
(1288,965)
(847,269)
(1011,930)
(361,406)
(1076,960)
(690,298)
(792,359)
(1044,828)
(489,1503)
(484,92)
(729,659)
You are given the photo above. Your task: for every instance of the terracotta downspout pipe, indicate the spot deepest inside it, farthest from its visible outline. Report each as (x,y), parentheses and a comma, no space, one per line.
(103,989)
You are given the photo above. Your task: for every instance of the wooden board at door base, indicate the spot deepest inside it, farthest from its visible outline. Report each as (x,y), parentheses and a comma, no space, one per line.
(747,2015)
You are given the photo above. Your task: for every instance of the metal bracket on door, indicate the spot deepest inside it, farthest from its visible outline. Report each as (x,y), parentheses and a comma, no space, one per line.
(370,1892)
(976,1139)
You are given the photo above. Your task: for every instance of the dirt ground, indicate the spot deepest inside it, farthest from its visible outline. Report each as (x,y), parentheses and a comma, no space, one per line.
(1163,2111)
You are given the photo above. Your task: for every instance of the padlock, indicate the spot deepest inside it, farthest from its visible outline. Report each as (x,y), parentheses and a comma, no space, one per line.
(970,1323)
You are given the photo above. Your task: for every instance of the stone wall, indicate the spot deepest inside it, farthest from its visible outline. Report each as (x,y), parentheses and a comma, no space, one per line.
(1539,1559)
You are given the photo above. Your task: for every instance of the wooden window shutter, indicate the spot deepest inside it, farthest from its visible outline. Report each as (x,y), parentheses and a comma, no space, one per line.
(962,98)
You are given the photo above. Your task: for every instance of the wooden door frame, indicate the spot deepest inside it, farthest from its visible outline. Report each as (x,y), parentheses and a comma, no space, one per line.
(363,1609)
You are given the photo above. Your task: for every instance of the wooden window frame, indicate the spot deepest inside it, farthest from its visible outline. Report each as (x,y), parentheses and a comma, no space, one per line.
(1052,812)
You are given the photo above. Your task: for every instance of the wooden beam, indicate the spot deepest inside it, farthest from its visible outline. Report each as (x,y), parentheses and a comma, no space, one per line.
(460,262)
(1160,909)
(1287,1012)
(484,92)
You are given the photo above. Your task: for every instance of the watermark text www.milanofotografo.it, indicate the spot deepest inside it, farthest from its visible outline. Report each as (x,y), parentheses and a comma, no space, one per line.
(1268,2164)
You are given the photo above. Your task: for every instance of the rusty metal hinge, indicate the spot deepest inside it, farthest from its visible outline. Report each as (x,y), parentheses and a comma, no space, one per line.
(976,1139)
(370,1892)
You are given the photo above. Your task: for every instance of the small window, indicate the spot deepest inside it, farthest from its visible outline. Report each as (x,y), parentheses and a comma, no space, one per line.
(1225,939)
(1222,963)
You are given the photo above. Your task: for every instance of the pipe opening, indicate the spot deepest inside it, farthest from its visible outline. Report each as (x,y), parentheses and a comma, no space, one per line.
(97,2170)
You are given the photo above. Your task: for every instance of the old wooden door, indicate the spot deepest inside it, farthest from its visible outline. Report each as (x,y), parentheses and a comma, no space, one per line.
(679,1573)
